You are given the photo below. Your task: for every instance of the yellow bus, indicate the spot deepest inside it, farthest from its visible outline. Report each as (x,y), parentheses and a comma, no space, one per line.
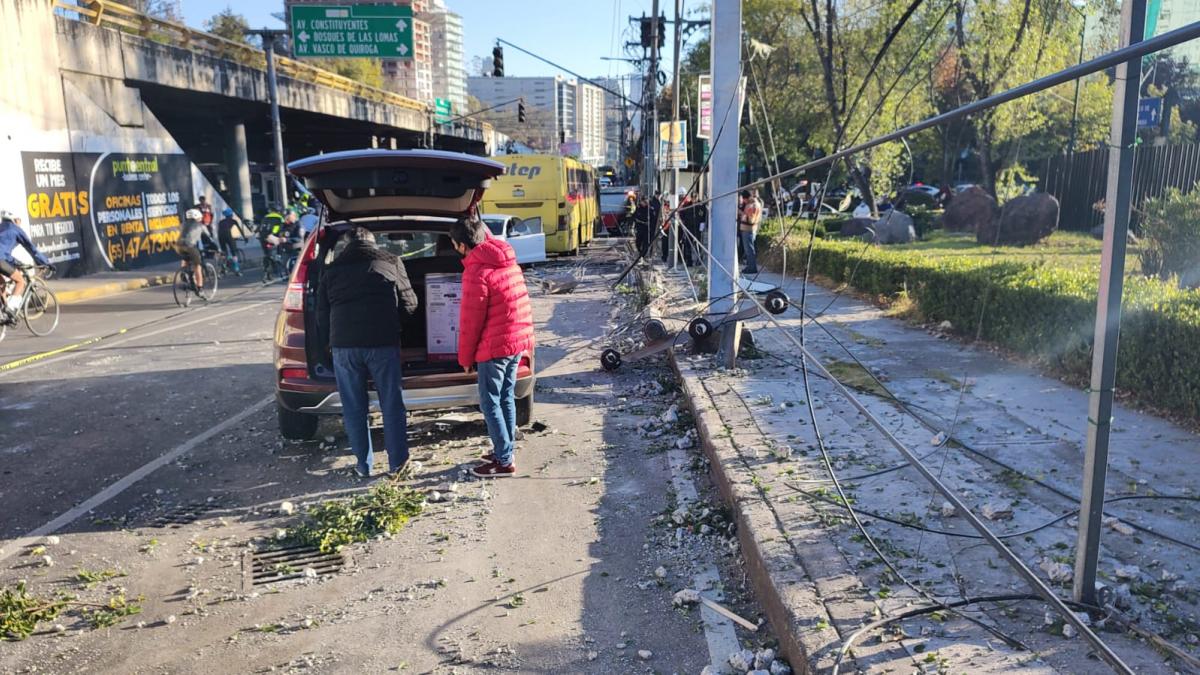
(561,190)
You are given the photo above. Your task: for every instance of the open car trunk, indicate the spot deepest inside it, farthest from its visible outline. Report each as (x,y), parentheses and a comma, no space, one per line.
(414,331)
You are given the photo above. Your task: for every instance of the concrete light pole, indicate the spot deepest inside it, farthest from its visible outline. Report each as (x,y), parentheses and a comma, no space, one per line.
(268,36)
(674,201)
(726,65)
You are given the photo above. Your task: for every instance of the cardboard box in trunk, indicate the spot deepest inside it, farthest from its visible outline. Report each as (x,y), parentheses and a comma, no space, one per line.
(443,295)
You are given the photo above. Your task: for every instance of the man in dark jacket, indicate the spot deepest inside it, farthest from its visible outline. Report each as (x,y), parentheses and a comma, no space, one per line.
(361,297)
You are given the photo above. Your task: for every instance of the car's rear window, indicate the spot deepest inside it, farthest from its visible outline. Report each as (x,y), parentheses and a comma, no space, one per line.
(406,245)
(612,202)
(496,225)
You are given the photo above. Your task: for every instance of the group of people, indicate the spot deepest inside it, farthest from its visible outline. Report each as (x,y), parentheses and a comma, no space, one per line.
(650,223)
(362,300)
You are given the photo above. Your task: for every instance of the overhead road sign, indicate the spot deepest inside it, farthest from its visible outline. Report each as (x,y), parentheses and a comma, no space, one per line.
(443,109)
(352,31)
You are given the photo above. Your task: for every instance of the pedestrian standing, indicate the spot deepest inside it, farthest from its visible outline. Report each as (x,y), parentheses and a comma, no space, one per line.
(641,226)
(749,218)
(495,328)
(362,297)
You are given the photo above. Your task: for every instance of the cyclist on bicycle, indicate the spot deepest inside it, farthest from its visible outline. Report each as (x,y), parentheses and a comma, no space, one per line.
(188,245)
(11,235)
(271,235)
(227,242)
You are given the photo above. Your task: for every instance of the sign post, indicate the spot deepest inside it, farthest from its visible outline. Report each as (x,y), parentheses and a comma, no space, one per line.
(352,31)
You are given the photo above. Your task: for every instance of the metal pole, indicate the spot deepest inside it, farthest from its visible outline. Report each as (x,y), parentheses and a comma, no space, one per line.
(1075,104)
(726,68)
(1108,304)
(268,37)
(674,123)
(653,112)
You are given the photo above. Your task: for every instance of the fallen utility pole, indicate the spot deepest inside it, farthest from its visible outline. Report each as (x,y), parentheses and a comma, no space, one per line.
(479,112)
(566,70)
(1108,304)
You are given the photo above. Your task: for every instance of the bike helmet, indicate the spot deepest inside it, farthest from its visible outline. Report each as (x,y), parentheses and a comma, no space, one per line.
(193,214)
(5,214)
(228,212)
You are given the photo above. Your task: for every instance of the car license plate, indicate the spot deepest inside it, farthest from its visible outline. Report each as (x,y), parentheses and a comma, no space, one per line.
(518,192)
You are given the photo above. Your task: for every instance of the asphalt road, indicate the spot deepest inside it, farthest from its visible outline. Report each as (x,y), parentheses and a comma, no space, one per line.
(166,436)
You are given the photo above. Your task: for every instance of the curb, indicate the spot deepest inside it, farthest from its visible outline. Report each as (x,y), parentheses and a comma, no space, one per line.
(790,599)
(75,296)
(70,297)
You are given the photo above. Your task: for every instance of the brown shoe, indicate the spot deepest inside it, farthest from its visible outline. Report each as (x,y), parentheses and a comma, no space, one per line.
(494,470)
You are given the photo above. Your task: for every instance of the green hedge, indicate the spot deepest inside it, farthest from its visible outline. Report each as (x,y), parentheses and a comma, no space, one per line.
(1033,307)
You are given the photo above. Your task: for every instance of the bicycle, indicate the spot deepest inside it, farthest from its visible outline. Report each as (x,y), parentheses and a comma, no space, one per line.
(218,258)
(39,306)
(184,285)
(272,267)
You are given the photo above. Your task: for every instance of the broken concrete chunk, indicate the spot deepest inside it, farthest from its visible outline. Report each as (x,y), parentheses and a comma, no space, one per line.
(763,658)
(997,511)
(948,510)
(780,668)
(742,661)
(287,508)
(1056,571)
(689,596)
(1113,523)
(660,572)
(52,540)
(671,416)
(685,442)
(645,654)
(1127,571)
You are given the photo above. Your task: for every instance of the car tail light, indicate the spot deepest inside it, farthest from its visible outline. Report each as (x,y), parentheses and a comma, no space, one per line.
(293,300)
(293,374)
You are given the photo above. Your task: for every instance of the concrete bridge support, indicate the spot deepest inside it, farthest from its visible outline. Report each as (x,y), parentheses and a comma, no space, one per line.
(237,162)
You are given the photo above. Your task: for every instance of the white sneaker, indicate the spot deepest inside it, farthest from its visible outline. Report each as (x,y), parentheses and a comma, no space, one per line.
(14,304)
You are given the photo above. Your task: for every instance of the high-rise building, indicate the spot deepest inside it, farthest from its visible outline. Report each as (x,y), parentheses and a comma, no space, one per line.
(549,104)
(618,117)
(590,123)
(449,74)
(411,77)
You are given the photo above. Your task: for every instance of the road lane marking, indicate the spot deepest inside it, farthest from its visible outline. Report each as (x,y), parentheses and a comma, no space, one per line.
(125,483)
(70,350)
(54,352)
(719,634)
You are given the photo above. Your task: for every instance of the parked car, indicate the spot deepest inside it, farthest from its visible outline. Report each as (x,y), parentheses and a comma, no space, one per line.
(919,194)
(409,199)
(612,209)
(525,235)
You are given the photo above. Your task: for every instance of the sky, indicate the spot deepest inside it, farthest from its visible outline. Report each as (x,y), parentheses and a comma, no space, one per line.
(573,33)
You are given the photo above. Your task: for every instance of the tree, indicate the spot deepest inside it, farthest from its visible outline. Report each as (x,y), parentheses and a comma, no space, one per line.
(365,71)
(167,10)
(229,25)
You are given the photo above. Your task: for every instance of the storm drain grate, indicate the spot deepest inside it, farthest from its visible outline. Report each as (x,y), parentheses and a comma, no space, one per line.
(260,568)
(182,514)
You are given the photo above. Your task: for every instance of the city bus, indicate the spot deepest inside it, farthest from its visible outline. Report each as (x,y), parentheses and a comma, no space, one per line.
(561,190)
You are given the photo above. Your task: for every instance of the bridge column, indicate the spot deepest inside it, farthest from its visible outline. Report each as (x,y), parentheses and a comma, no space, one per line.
(237,162)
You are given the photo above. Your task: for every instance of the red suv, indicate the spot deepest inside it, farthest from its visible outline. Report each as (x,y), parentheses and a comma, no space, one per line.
(409,199)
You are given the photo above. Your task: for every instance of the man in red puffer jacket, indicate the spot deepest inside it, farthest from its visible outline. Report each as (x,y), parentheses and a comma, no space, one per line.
(495,327)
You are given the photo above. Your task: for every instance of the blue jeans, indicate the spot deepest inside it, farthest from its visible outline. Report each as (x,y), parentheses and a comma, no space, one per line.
(497,400)
(351,367)
(747,239)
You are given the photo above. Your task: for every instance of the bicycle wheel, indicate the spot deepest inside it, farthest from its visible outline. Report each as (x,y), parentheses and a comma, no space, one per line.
(209,291)
(182,288)
(41,310)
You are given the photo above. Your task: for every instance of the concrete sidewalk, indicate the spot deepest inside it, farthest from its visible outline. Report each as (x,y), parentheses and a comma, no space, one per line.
(92,286)
(1015,456)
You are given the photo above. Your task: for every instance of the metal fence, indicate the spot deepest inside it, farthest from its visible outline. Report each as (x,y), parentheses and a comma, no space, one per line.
(1078,180)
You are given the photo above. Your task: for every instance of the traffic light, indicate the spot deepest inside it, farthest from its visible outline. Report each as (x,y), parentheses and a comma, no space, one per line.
(648,27)
(497,61)
(521,111)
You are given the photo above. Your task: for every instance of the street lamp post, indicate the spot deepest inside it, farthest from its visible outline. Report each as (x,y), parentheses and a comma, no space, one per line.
(1078,6)
(268,36)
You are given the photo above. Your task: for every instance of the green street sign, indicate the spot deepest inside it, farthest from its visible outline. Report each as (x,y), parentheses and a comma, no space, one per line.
(352,31)
(443,110)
